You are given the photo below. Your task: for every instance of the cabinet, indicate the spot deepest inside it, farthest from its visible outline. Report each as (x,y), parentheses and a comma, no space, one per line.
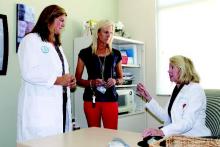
(135,120)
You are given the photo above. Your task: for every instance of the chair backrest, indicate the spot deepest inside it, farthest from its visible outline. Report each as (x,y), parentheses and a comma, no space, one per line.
(213,111)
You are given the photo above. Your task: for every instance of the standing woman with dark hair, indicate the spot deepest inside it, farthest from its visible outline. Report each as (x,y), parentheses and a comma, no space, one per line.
(44,99)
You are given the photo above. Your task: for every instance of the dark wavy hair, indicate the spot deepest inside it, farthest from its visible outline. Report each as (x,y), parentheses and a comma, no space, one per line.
(46,18)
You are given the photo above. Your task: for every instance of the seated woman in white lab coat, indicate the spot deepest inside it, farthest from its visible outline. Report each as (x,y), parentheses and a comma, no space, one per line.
(185,112)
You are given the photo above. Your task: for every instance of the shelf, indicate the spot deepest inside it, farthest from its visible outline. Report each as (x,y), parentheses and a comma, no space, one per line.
(122,40)
(130,114)
(131,65)
(126,86)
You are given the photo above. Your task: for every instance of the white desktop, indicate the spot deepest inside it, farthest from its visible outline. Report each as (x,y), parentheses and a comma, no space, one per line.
(87,137)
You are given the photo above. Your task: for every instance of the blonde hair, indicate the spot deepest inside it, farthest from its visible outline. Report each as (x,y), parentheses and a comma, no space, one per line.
(99,25)
(187,71)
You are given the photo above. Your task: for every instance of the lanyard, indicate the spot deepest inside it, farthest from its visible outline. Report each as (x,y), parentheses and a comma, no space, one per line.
(102,66)
(93,94)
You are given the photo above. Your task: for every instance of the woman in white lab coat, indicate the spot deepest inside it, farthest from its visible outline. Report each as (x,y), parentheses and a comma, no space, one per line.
(185,113)
(44,99)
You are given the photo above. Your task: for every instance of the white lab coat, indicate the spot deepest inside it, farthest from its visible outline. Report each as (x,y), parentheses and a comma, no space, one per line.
(188,112)
(40,101)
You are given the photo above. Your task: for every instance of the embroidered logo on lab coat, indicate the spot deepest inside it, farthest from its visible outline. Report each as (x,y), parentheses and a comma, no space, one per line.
(44,49)
(182,102)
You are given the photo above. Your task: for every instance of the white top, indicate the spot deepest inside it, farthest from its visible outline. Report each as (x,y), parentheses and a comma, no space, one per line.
(188,112)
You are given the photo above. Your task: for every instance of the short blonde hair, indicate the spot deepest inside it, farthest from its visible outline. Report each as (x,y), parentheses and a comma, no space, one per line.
(187,71)
(99,25)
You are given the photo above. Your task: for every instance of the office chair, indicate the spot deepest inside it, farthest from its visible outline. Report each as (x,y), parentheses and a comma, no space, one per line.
(213,111)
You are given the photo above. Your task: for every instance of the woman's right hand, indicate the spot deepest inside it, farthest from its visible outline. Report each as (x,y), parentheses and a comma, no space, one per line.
(142,92)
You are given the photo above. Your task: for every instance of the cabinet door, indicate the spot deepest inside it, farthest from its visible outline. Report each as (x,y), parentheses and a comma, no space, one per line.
(135,123)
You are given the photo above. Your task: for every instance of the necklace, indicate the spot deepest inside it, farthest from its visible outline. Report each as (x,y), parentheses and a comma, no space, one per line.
(102,65)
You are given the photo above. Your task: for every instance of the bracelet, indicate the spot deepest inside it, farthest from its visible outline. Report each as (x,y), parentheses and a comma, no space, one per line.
(117,82)
(93,93)
(90,83)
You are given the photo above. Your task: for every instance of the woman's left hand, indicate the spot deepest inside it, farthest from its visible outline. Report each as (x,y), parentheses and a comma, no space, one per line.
(152,132)
(110,82)
(72,84)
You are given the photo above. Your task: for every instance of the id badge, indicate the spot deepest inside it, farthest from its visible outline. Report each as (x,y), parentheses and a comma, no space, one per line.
(101,89)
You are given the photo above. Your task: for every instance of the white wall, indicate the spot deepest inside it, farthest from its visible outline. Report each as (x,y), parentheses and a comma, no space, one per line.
(139,18)
(78,11)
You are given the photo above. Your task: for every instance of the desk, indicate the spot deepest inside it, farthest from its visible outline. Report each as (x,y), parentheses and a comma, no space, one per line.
(88,137)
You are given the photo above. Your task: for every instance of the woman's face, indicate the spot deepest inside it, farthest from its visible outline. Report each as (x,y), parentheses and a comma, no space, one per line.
(174,73)
(58,25)
(105,34)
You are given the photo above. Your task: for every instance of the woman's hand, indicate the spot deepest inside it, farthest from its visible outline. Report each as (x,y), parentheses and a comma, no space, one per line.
(142,92)
(152,132)
(72,84)
(110,82)
(97,82)
(65,80)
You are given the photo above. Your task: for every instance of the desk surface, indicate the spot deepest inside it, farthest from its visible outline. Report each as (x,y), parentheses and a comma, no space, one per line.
(88,137)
